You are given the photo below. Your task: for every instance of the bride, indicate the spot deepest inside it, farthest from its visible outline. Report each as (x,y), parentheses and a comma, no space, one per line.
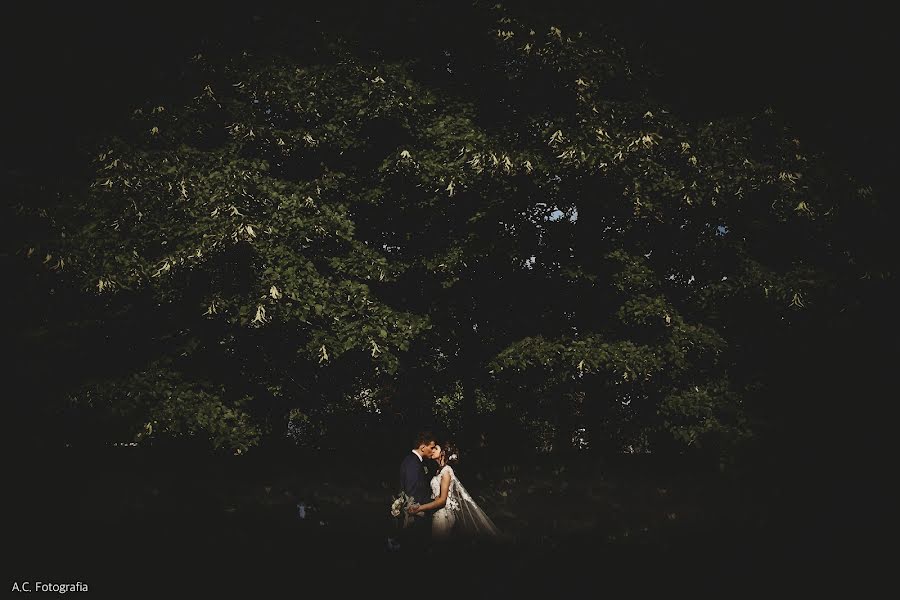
(455,507)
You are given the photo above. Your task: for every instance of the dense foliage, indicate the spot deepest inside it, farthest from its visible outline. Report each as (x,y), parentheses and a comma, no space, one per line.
(511,237)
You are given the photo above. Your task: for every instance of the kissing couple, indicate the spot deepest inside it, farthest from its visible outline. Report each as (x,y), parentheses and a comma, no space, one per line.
(448,509)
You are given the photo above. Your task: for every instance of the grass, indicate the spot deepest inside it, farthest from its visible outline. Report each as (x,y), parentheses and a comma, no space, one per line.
(134,518)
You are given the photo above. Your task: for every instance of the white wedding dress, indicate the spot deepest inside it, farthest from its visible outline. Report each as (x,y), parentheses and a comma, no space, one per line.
(460,509)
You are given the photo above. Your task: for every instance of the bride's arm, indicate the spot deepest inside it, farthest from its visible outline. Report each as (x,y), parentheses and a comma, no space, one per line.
(438,502)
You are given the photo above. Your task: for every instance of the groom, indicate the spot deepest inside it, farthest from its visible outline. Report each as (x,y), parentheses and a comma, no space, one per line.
(414,482)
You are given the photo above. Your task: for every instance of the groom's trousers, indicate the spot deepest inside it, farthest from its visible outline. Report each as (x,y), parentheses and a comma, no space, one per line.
(416,537)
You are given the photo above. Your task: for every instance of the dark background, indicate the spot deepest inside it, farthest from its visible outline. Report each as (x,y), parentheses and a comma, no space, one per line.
(71,71)
(73,68)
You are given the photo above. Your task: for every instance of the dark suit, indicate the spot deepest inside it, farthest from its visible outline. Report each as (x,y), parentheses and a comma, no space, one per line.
(415,484)
(412,478)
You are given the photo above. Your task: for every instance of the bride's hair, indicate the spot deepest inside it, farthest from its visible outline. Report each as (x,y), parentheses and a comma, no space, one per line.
(451,453)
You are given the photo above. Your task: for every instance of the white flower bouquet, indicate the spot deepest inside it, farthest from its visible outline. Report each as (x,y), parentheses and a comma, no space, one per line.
(400,509)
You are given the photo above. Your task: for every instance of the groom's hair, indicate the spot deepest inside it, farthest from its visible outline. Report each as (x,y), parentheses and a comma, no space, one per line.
(423,438)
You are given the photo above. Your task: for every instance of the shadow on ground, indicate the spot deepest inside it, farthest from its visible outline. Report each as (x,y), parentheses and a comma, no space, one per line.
(128,523)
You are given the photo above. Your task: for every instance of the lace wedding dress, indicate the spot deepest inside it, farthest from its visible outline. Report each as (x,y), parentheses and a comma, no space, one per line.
(460,510)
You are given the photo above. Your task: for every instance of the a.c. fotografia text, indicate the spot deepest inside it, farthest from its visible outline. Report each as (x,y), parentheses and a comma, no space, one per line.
(44,586)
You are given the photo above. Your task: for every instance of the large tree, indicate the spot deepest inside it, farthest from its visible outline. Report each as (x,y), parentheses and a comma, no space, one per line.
(317,236)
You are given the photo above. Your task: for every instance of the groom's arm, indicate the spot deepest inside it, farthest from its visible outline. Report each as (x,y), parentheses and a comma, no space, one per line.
(438,502)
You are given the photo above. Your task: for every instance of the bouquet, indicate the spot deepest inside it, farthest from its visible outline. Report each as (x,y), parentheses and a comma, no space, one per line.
(400,509)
